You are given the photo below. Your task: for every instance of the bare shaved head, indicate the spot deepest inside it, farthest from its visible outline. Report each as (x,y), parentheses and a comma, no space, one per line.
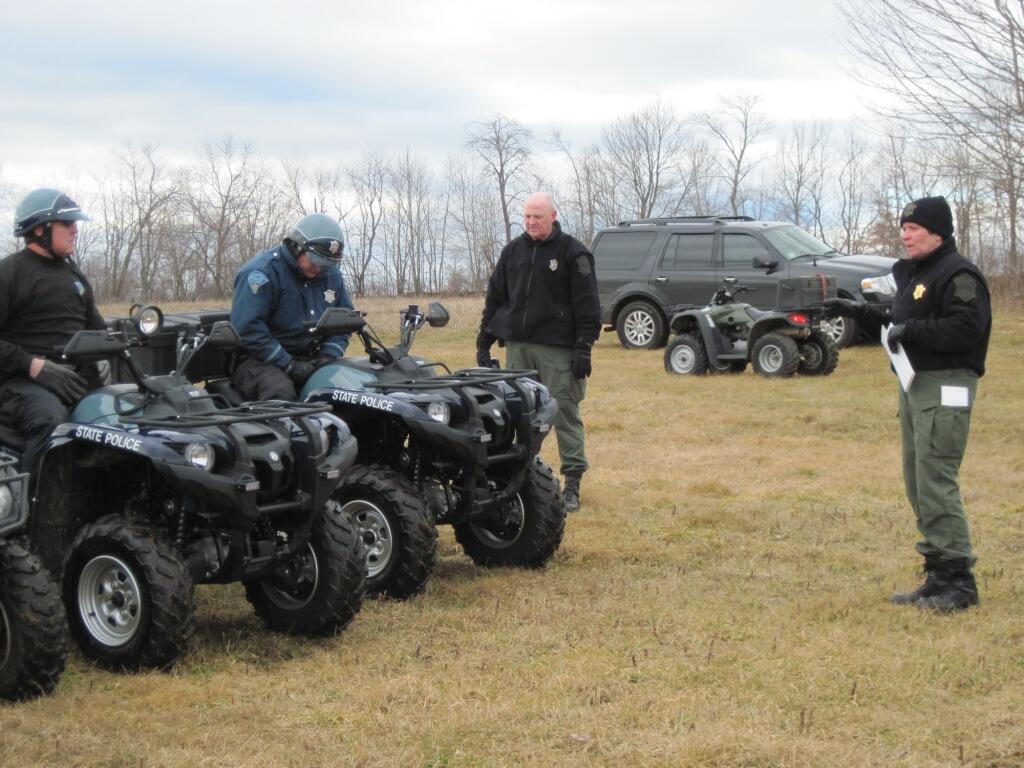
(539,215)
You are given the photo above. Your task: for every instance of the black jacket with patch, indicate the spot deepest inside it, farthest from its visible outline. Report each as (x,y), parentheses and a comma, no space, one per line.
(544,292)
(43,302)
(944,301)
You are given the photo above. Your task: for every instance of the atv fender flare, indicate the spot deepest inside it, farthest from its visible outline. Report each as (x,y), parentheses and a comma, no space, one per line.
(694,320)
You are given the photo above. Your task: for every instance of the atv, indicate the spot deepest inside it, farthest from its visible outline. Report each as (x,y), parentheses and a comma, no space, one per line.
(33,629)
(727,334)
(435,447)
(153,486)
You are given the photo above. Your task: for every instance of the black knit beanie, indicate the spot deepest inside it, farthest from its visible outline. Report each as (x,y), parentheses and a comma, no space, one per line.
(932,213)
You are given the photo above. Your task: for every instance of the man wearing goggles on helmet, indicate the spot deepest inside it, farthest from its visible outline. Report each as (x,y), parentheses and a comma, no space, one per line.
(276,293)
(44,300)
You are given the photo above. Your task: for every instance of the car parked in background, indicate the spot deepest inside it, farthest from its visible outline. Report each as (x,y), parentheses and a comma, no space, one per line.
(647,266)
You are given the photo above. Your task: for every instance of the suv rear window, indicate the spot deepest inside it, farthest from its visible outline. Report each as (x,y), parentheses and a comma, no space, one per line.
(689,251)
(622,250)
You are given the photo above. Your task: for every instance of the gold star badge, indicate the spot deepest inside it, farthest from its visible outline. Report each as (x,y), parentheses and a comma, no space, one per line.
(919,290)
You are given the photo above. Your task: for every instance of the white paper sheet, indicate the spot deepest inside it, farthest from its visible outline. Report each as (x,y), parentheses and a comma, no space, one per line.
(900,361)
(955,397)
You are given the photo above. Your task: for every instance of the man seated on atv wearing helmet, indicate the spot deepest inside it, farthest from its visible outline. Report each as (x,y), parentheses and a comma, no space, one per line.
(276,294)
(44,300)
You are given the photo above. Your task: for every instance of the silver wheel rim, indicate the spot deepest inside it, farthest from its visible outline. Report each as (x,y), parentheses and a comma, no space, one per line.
(834,328)
(682,359)
(771,358)
(376,533)
(301,574)
(639,327)
(109,600)
(516,519)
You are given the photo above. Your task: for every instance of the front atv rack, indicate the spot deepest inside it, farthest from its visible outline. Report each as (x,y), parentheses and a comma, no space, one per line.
(459,381)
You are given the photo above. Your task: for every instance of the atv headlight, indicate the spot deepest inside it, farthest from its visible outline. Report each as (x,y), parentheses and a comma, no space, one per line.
(883,284)
(148,319)
(200,456)
(6,503)
(439,411)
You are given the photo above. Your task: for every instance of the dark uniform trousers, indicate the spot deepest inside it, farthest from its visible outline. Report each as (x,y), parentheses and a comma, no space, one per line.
(256,380)
(553,364)
(31,410)
(935,417)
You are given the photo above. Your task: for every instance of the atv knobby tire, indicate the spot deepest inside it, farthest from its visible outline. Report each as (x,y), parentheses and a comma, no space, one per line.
(818,355)
(685,355)
(396,526)
(531,532)
(320,590)
(33,629)
(775,355)
(129,598)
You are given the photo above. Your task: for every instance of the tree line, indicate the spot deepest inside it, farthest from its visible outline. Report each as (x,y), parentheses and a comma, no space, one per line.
(952,124)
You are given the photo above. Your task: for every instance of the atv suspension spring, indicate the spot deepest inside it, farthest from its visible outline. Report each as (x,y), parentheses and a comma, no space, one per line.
(417,473)
(182,529)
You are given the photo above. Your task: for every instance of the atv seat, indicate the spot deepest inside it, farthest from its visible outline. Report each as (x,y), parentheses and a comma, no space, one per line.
(757,314)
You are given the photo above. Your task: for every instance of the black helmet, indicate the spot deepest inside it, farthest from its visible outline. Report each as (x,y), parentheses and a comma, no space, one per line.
(320,236)
(41,206)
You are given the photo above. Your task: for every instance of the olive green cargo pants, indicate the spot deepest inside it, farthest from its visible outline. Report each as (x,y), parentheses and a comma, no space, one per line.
(935,417)
(553,365)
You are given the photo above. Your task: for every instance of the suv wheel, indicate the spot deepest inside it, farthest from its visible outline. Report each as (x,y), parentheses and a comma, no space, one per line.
(640,325)
(839,330)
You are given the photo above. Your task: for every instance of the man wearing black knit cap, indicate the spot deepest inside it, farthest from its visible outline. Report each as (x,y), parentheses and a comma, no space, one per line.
(942,318)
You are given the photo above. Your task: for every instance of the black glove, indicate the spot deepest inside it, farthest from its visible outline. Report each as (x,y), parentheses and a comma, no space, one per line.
(897,335)
(298,371)
(844,308)
(63,382)
(580,364)
(483,357)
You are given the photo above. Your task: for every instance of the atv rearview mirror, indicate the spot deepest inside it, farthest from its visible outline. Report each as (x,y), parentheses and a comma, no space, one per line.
(337,320)
(437,315)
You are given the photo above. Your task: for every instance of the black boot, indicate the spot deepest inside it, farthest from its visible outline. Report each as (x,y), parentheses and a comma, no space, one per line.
(934,583)
(571,491)
(959,590)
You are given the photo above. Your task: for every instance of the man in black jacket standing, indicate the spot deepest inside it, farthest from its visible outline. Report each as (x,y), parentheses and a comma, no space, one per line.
(44,300)
(942,317)
(542,302)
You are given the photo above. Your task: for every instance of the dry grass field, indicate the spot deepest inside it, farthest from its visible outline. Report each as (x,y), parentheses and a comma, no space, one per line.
(719,601)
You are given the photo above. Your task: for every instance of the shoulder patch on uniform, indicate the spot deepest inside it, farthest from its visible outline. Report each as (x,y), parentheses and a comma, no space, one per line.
(965,286)
(583,264)
(257,280)
(79,287)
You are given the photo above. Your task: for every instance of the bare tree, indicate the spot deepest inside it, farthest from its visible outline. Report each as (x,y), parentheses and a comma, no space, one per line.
(504,147)
(368,179)
(134,208)
(735,128)
(802,166)
(644,149)
(952,70)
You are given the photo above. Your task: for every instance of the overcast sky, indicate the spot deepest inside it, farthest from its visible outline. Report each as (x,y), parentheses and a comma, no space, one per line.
(329,79)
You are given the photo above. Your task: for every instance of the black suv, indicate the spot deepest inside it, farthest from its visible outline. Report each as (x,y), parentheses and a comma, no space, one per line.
(646,266)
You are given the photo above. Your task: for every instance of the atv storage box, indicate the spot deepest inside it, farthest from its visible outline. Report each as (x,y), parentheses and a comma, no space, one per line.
(801,292)
(159,354)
